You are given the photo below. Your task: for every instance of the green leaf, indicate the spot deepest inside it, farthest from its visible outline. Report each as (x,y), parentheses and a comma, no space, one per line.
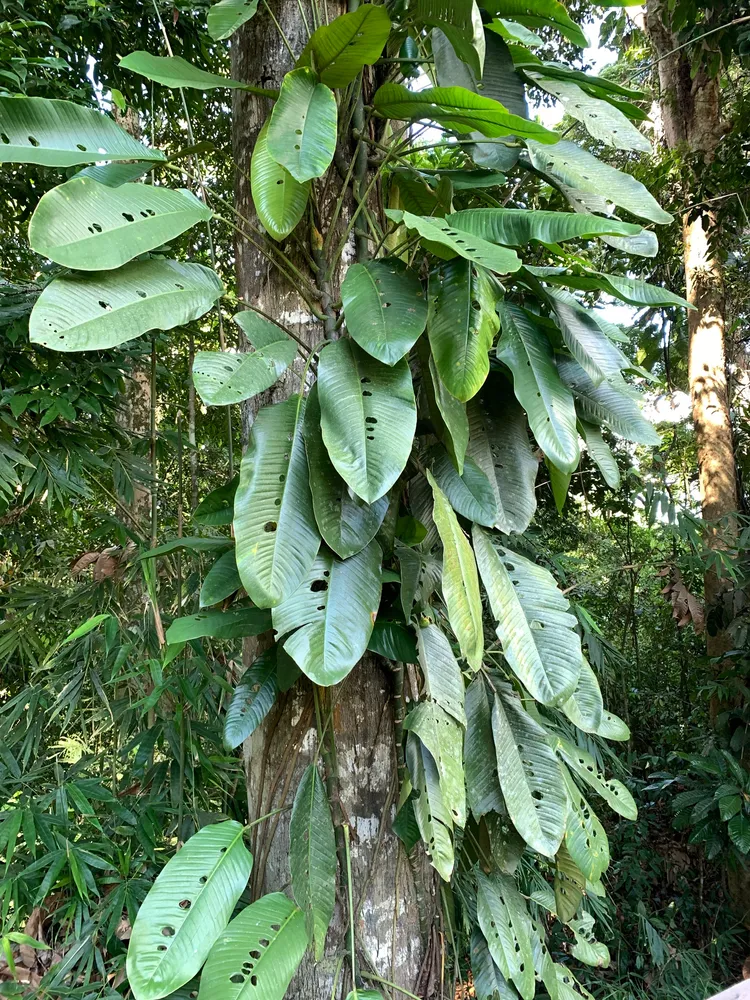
(174,71)
(515,33)
(443,737)
(312,857)
(114,174)
(470,494)
(569,886)
(274,526)
(586,948)
(84,628)
(539,14)
(558,71)
(302,127)
(614,793)
(601,454)
(645,244)
(538,634)
(729,805)
(739,832)
(333,613)
(443,680)
(221,581)
(489,982)
(368,417)
(462,325)
(87,226)
(338,51)
(252,699)
(460,582)
(632,290)
(432,814)
(593,350)
(385,308)
(585,836)
(393,641)
(257,954)
(460,22)
(365,995)
(515,227)
(480,763)
(103,309)
(448,416)
(612,727)
(225,17)
(506,927)
(223,378)
(279,199)
(549,405)
(611,402)
(217,507)
(584,708)
(234,624)
(62,134)
(194,543)
(473,249)
(187,910)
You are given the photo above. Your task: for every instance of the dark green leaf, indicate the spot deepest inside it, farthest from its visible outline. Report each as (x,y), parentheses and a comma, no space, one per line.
(312,857)
(235,624)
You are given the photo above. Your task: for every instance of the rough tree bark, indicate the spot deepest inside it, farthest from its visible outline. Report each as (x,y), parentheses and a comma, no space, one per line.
(393,910)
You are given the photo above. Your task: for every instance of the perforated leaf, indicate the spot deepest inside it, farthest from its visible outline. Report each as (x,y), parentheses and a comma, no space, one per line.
(442,674)
(221,581)
(612,727)
(312,857)
(514,227)
(506,927)
(279,199)
(584,708)
(302,128)
(234,624)
(115,174)
(539,14)
(274,526)
(470,494)
(489,982)
(225,17)
(631,290)
(585,836)
(430,809)
(614,793)
(443,737)
(586,948)
(610,402)
(338,51)
(569,885)
(103,309)
(252,700)
(174,71)
(473,249)
(482,783)
(187,910)
(385,307)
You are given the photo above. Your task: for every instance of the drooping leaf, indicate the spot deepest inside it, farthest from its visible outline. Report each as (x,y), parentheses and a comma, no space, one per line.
(431,812)
(279,199)
(506,927)
(194,543)
(234,624)
(441,671)
(274,525)
(569,885)
(489,982)
(631,290)
(448,414)
(187,910)
(368,417)
(470,494)
(539,14)
(514,227)
(252,700)
(559,482)
(221,581)
(338,51)
(585,836)
(558,71)
(333,614)
(611,402)
(601,454)
(302,128)
(593,350)
(225,17)
(480,762)
(385,308)
(460,23)
(478,251)
(174,71)
(612,727)
(443,737)
(103,309)
(584,708)
(218,506)
(614,793)
(586,948)
(312,857)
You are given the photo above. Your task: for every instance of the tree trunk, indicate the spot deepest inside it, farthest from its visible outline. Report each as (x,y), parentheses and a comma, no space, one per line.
(392,908)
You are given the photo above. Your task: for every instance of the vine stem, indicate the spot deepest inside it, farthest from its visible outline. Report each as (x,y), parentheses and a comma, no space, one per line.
(268,815)
(350,892)
(386,982)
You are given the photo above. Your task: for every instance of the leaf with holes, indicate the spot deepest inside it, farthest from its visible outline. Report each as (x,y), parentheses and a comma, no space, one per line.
(459,22)
(442,674)
(482,784)
(612,402)
(614,793)
(312,857)
(584,708)
(515,227)
(585,836)
(174,71)
(460,581)
(537,632)
(258,953)
(506,926)
(443,737)
(529,776)
(332,614)
(471,248)
(279,199)
(631,290)
(569,885)
(338,51)
(302,128)
(62,134)
(90,227)
(601,454)
(225,17)
(430,809)
(613,728)
(385,307)
(489,982)
(549,405)
(221,581)
(252,700)
(234,624)
(368,417)
(223,378)
(462,325)
(103,309)
(539,14)
(274,525)
(187,910)
(217,507)
(470,494)
(586,948)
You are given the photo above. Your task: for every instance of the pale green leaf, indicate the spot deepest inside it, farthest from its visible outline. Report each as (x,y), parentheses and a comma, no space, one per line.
(443,737)
(478,251)
(506,926)
(585,707)
(611,402)
(302,129)
(514,227)
(252,699)
(569,885)
(470,494)
(385,308)
(595,353)
(539,14)
(442,674)
(601,454)
(225,17)
(174,71)
(489,982)
(279,199)
(586,948)
(448,416)
(614,793)
(431,812)
(585,836)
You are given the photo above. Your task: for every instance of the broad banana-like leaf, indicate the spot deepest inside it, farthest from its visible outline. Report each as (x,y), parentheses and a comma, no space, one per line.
(385,308)
(462,325)
(234,624)
(345,522)
(557,71)
(448,416)
(577,169)
(274,525)
(584,708)
(302,128)
(539,14)
(90,227)
(470,494)
(506,926)
(421,194)
(611,402)
(103,309)
(645,244)
(114,174)
(586,948)
(460,582)
(459,22)
(631,290)
(560,483)
(614,793)
(601,454)
(441,671)
(223,378)
(499,444)
(338,51)
(613,728)
(478,251)
(489,982)
(221,581)
(217,507)
(258,953)
(174,71)
(252,700)
(444,738)
(515,33)
(430,810)
(480,762)
(62,134)
(569,884)
(187,910)
(368,417)
(333,614)
(530,778)
(312,857)
(533,623)
(279,199)
(595,353)
(515,227)
(526,350)
(585,837)
(225,17)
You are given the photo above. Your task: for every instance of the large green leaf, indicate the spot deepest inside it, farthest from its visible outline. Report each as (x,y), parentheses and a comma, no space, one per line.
(431,812)
(489,982)
(480,762)
(476,250)
(279,199)
(252,700)
(601,454)
(257,954)
(217,507)
(187,910)
(442,674)
(100,310)
(593,350)
(631,290)
(234,624)
(525,60)
(221,581)
(174,71)
(586,948)
(393,641)
(460,582)
(515,33)
(529,775)
(612,402)
(470,494)
(462,325)
(225,17)
(115,174)
(534,626)
(312,857)
(549,405)
(62,134)
(90,227)
(506,926)
(539,14)
(302,129)
(514,227)
(585,836)
(614,793)
(584,707)
(368,417)
(612,727)
(338,51)
(444,738)
(448,415)
(569,884)
(385,308)
(274,526)
(223,377)
(459,22)
(333,614)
